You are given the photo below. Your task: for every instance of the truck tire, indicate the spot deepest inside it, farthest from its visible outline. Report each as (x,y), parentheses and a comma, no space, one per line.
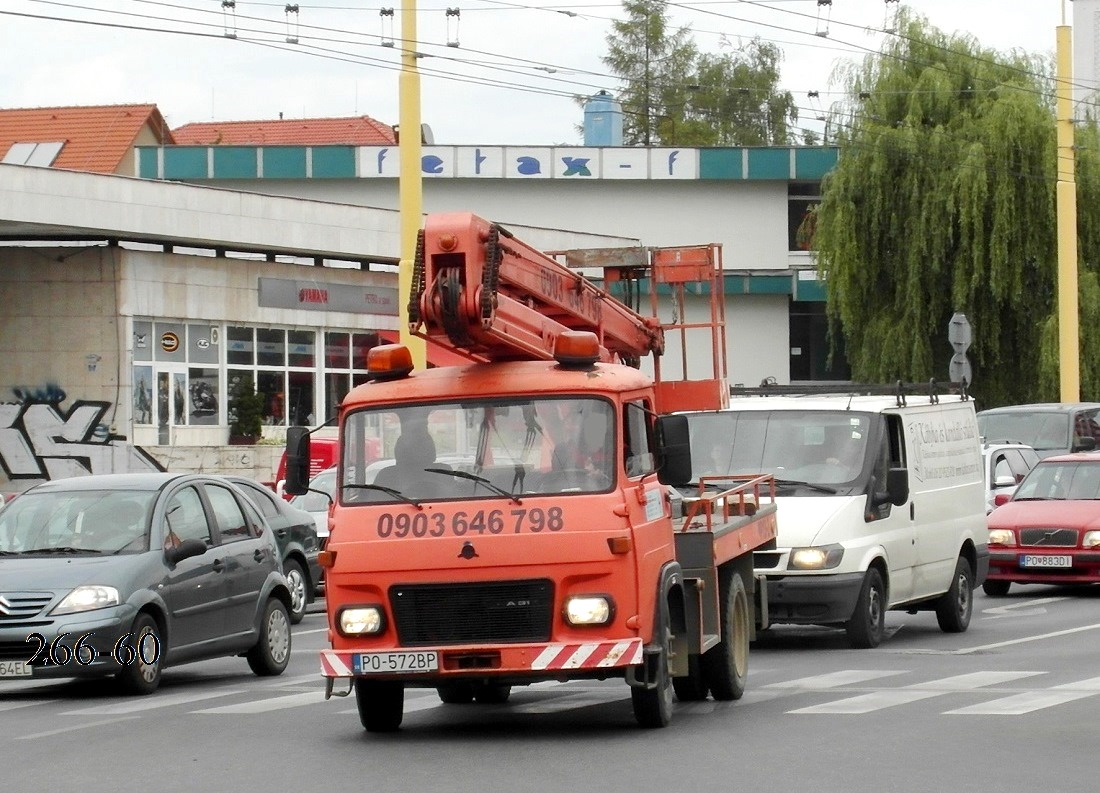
(692,688)
(867,625)
(726,665)
(492,693)
(381,704)
(954,607)
(461,693)
(653,706)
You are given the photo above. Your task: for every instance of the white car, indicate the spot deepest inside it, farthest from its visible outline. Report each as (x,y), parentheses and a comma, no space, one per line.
(317,500)
(1006,464)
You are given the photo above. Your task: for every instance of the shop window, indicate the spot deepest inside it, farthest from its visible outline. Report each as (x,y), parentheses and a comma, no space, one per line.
(361,343)
(202,344)
(801,200)
(239,346)
(273,386)
(300,348)
(143,340)
(337,351)
(336,388)
(179,399)
(203,393)
(270,347)
(170,342)
(300,398)
(143,394)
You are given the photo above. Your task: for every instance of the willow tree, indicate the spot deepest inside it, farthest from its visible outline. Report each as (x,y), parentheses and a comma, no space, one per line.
(942,201)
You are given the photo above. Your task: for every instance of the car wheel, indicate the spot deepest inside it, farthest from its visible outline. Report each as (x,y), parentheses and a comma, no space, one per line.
(726,665)
(142,676)
(868,622)
(299,590)
(653,706)
(996,588)
(271,653)
(456,693)
(381,704)
(955,606)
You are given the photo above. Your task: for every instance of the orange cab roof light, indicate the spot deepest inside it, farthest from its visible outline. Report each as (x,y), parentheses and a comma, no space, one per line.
(577,348)
(389,361)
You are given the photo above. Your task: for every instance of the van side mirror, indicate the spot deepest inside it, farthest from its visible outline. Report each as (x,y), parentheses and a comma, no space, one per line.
(897,486)
(673,450)
(297,461)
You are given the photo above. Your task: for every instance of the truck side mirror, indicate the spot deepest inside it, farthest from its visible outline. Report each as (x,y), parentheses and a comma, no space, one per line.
(673,450)
(297,461)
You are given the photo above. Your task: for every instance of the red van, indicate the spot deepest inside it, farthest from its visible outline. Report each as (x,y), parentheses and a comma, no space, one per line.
(323,453)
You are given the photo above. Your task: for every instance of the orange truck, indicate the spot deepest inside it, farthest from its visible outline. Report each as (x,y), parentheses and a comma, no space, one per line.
(521,525)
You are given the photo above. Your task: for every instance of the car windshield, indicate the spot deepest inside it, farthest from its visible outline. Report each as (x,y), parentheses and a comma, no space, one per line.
(77,522)
(318,497)
(1066,481)
(480,449)
(1042,431)
(827,448)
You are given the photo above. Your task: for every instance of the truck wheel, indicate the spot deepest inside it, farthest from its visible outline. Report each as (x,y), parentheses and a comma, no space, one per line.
(492,693)
(996,588)
(456,693)
(726,665)
(381,704)
(692,688)
(868,623)
(955,606)
(653,706)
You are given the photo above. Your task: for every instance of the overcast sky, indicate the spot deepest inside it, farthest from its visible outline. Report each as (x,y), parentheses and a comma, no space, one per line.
(508,81)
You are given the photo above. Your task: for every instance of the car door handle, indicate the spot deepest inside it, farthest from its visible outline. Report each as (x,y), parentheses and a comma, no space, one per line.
(280,533)
(258,555)
(218,566)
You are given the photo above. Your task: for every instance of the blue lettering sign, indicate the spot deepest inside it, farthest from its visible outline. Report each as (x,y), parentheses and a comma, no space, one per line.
(576,166)
(431,164)
(381,156)
(672,160)
(478,160)
(528,166)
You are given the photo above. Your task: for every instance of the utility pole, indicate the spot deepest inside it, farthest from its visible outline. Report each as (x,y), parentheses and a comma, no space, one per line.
(410,188)
(1069,355)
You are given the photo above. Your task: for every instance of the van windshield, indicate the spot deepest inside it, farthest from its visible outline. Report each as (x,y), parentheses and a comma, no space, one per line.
(1043,431)
(796,446)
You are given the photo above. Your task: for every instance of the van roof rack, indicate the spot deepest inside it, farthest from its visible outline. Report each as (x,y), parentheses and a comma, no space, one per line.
(932,389)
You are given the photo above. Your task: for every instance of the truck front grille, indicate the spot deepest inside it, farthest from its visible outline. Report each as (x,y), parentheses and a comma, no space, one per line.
(494,612)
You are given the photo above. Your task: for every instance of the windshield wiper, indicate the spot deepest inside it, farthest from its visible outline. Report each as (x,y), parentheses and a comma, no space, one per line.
(387,490)
(481,480)
(811,485)
(63,549)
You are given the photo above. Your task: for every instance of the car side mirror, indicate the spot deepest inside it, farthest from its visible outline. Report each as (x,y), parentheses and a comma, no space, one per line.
(185,550)
(1084,443)
(1001,498)
(1005,480)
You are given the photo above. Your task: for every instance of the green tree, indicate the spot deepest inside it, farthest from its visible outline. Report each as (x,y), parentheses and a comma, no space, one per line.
(942,201)
(674,95)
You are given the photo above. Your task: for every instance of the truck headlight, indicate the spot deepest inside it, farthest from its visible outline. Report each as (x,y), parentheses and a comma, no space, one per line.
(1001,537)
(821,557)
(1091,539)
(87,598)
(588,610)
(360,620)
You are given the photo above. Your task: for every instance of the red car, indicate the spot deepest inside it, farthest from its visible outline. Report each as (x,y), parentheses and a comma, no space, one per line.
(1049,531)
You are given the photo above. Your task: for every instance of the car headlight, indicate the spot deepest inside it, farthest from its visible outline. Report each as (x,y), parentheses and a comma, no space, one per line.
(588,610)
(821,557)
(1091,539)
(360,620)
(1001,537)
(87,598)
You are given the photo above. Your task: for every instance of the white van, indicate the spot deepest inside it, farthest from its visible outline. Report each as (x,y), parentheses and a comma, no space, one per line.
(881,503)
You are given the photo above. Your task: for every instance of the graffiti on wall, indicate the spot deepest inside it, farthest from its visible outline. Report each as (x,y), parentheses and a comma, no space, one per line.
(41,440)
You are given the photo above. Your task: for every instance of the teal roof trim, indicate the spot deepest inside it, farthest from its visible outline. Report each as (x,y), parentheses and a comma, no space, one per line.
(284,162)
(236,162)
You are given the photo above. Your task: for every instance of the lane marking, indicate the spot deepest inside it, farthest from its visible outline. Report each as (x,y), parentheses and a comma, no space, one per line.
(73,727)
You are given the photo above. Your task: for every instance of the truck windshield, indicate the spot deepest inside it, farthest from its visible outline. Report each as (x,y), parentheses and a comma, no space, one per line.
(479,449)
(825,448)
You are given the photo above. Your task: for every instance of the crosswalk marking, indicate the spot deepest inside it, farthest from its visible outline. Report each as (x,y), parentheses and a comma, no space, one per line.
(269,704)
(25,703)
(153,702)
(845,677)
(1021,703)
(878,700)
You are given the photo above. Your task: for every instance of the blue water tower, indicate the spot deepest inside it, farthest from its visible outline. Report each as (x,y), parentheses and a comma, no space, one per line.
(603,120)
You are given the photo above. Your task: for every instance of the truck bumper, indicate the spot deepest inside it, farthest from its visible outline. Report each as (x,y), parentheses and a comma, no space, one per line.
(813,600)
(530,661)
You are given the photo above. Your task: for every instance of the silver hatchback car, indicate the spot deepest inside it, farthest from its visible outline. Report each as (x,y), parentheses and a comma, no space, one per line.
(125,575)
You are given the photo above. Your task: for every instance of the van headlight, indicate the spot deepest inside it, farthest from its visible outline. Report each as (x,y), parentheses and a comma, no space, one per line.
(588,610)
(1001,537)
(821,557)
(87,598)
(360,620)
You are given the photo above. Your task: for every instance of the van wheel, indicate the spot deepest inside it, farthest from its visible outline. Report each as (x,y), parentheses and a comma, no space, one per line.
(726,665)
(996,588)
(868,623)
(381,704)
(653,706)
(954,607)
